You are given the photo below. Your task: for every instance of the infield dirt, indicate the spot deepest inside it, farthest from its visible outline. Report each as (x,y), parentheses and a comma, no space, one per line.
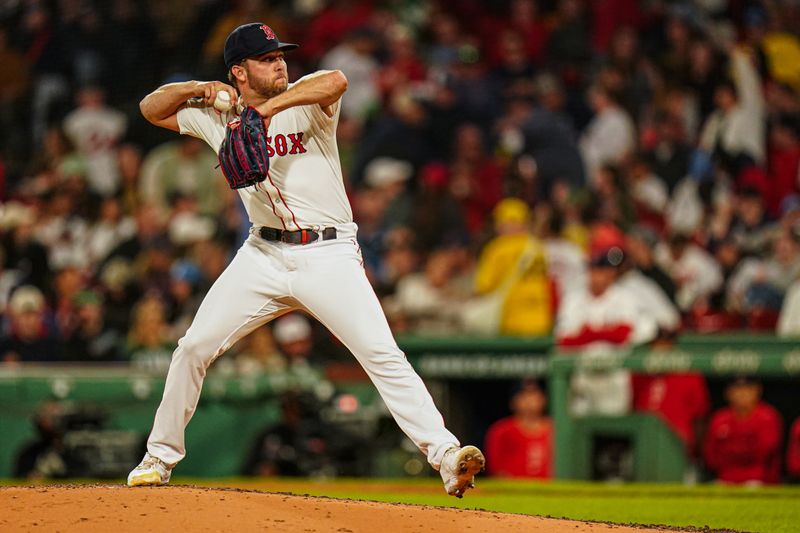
(187,509)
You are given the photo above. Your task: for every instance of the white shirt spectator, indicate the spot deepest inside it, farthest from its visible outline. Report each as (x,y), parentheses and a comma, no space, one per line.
(650,299)
(95,133)
(695,272)
(607,139)
(651,192)
(617,306)
(606,392)
(566,264)
(740,130)
(789,319)
(362,72)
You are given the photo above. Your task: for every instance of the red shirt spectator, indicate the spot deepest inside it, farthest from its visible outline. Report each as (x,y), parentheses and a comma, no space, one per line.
(743,440)
(783,164)
(521,445)
(332,24)
(680,399)
(523,18)
(793,451)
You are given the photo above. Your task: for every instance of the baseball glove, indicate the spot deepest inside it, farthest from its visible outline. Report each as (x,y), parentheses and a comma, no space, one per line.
(243,154)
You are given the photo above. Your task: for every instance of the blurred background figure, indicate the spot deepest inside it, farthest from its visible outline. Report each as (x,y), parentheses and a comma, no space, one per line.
(743,443)
(301,443)
(95,129)
(602,318)
(521,445)
(513,266)
(45,458)
(295,340)
(29,335)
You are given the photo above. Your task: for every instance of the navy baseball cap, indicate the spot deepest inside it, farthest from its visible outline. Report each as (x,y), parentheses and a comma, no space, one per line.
(250,40)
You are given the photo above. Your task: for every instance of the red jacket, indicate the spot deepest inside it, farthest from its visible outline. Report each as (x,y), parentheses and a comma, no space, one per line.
(511,451)
(679,399)
(745,449)
(793,450)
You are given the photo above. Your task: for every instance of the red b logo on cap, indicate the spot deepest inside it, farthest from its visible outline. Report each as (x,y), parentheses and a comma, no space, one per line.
(267,31)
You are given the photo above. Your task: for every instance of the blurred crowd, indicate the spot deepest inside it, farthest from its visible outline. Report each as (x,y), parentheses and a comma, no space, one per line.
(519,167)
(742,442)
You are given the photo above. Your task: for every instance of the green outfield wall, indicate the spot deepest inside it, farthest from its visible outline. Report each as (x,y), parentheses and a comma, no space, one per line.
(234,409)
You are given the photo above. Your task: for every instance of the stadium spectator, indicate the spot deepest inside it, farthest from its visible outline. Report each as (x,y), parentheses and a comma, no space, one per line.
(523,18)
(428,302)
(793,450)
(569,46)
(640,245)
(783,162)
(513,264)
(399,134)
(26,259)
(389,179)
(734,132)
(91,339)
(610,136)
(186,167)
(111,227)
(148,346)
(789,318)
(402,64)
(258,352)
(95,129)
(744,439)
(759,284)
(295,340)
(355,58)
(29,335)
(750,228)
(44,457)
(604,317)
(693,270)
(521,445)
(476,178)
(551,140)
(437,219)
(680,399)
(566,262)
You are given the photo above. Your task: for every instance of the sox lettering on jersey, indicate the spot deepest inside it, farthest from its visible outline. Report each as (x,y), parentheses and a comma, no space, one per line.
(281,144)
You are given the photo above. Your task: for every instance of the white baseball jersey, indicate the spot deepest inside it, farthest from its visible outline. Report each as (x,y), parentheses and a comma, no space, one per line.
(304,188)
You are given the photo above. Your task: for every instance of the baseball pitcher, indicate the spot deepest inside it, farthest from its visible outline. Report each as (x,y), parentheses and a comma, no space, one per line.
(277,148)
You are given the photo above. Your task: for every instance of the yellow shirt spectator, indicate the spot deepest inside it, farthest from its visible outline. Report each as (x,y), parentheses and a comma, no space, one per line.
(528,308)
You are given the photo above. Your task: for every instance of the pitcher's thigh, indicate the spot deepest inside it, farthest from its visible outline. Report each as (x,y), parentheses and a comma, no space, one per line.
(246,295)
(343,300)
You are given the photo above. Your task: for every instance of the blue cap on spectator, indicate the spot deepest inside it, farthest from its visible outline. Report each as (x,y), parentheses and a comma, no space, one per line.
(789,204)
(250,40)
(185,271)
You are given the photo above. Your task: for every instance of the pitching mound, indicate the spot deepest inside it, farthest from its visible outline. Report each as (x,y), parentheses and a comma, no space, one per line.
(184,509)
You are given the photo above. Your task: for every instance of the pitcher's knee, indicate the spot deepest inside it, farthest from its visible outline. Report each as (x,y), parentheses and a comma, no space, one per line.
(195,351)
(388,357)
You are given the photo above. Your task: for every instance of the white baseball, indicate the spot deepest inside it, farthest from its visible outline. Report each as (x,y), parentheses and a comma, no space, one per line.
(222,102)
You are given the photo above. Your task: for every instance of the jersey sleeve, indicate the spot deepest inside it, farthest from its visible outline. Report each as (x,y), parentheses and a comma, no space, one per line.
(317,116)
(204,123)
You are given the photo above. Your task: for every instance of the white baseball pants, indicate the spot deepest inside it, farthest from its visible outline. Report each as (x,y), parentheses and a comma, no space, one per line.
(268,279)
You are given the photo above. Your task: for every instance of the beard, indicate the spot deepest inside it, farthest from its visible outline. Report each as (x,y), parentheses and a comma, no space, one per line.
(267,90)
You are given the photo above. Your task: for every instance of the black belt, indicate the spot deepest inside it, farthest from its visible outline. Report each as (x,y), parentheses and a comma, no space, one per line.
(303,236)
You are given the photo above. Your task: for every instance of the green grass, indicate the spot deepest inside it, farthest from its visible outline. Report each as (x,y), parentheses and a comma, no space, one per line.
(761,509)
(767,509)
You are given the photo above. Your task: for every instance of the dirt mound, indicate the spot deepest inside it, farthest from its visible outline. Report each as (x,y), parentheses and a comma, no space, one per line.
(183,509)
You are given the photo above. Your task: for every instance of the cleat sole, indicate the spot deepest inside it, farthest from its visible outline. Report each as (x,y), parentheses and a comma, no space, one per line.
(145,480)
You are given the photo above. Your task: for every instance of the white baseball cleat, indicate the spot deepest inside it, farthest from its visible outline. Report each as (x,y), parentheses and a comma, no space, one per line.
(458,469)
(151,471)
